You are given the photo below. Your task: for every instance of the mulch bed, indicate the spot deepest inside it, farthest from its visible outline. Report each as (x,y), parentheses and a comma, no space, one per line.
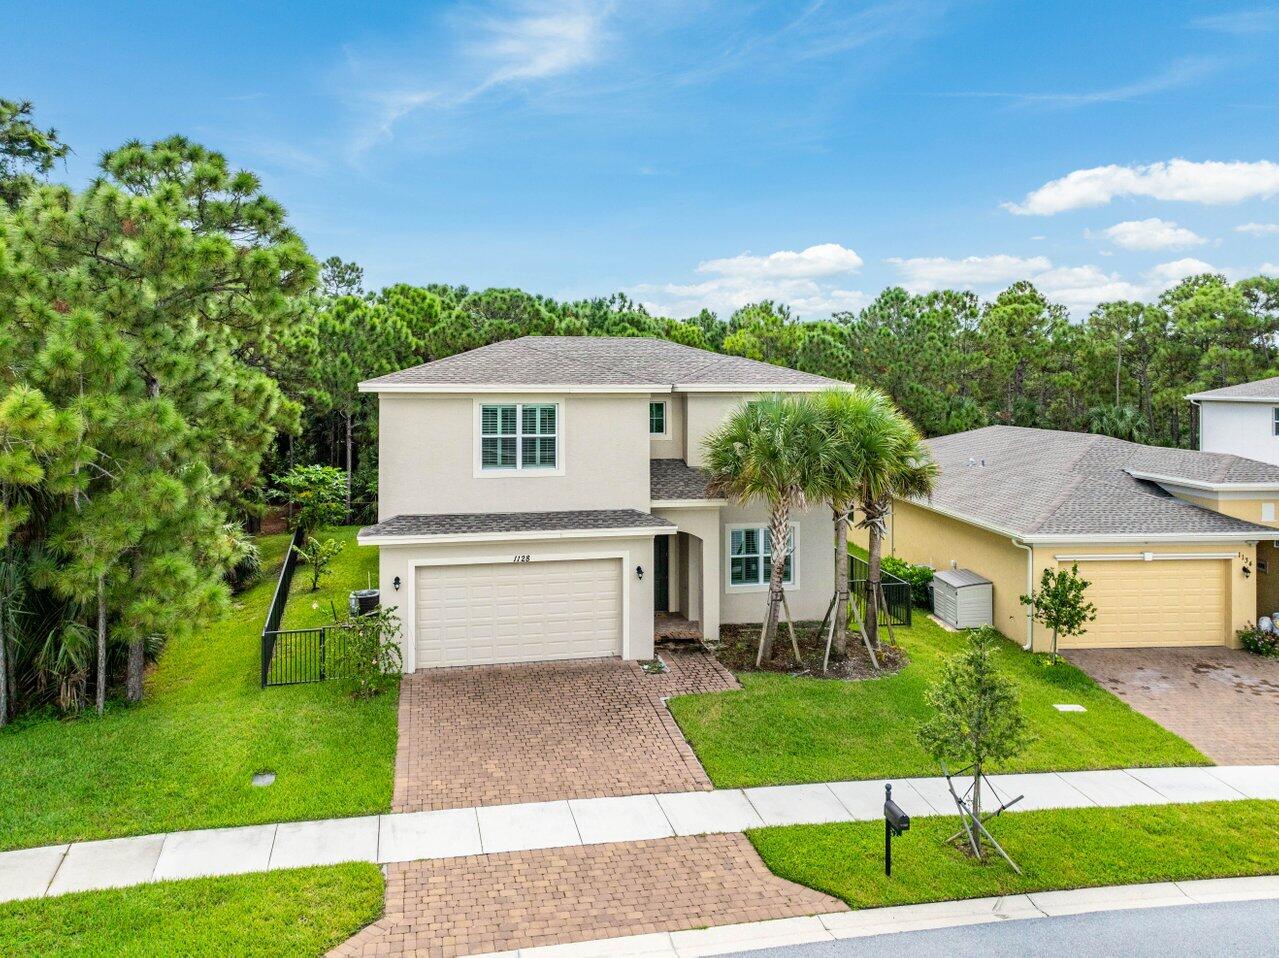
(739,645)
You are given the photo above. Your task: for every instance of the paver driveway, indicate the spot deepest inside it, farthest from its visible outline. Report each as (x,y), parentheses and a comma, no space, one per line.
(502,734)
(1225,702)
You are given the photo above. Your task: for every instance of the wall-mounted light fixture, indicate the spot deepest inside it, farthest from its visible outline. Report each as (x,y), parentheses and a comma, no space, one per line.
(396,583)
(639,572)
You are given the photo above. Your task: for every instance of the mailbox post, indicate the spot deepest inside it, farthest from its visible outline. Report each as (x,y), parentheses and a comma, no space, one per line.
(895,822)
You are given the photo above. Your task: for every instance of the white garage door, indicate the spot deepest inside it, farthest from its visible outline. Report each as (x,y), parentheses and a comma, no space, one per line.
(1173,602)
(518,612)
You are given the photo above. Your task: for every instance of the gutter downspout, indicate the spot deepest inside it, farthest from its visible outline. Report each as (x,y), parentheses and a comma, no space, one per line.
(1030,588)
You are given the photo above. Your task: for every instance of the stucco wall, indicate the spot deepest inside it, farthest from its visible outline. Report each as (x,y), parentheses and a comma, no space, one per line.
(928,538)
(703,413)
(672,446)
(427,448)
(1248,508)
(815,548)
(1242,428)
(398,561)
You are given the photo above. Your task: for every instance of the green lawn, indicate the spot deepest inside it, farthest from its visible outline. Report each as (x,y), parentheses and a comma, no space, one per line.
(1075,848)
(184,757)
(780,730)
(301,912)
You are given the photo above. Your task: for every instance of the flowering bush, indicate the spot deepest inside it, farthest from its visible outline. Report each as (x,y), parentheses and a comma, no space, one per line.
(1259,642)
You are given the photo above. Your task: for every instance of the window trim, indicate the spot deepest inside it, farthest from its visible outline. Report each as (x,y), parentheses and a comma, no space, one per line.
(666,419)
(730,586)
(516,471)
(1274,421)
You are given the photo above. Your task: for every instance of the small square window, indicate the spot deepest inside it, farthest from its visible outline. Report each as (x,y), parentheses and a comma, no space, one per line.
(519,437)
(750,556)
(1267,512)
(657,419)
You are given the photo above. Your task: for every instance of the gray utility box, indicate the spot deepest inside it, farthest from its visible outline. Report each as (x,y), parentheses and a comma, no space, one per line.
(963,599)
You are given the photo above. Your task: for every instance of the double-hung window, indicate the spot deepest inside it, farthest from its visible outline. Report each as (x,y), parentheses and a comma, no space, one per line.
(657,418)
(1275,422)
(519,436)
(750,560)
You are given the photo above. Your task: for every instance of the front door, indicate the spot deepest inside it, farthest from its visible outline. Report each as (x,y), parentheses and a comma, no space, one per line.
(661,574)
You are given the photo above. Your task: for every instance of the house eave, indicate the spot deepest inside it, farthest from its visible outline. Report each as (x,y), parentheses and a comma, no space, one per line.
(1204,397)
(631,532)
(372,386)
(1201,485)
(689,503)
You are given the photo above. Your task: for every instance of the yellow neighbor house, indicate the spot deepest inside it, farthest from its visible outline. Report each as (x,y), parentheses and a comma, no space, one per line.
(1168,538)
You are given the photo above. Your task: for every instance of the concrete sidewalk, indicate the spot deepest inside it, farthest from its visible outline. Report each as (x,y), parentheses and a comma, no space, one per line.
(412,836)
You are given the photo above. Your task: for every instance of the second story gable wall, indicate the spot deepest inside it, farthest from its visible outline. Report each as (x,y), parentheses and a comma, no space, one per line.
(703,413)
(1239,428)
(427,447)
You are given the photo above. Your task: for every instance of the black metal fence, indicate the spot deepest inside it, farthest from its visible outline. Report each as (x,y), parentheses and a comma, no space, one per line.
(895,608)
(296,656)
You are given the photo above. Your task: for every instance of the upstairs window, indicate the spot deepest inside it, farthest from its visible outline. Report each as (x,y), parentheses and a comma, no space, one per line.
(1274,427)
(750,560)
(657,418)
(519,436)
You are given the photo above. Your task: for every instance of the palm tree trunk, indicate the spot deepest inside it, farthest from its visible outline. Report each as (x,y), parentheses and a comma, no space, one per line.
(840,643)
(779,525)
(100,693)
(874,549)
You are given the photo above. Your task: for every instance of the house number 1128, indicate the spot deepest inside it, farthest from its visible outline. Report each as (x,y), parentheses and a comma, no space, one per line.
(522,559)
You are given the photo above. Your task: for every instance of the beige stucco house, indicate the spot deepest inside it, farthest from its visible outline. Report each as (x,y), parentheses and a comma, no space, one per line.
(1168,538)
(542,498)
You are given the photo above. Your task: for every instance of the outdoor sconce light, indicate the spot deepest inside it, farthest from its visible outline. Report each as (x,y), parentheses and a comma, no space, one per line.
(895,822)
(1247,570)
(639,572)
(396,583)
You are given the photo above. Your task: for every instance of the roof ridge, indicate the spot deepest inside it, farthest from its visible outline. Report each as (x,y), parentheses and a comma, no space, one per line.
(575,359)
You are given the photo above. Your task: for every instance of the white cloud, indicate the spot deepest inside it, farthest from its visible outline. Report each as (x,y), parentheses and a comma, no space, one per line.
(825,259)
(1152,233)
(1241,22)
(807,281)
(924,273)
(1269,269)
(1183,180)
(1080,288)
(1174,272)
(535,40)
(1258,229)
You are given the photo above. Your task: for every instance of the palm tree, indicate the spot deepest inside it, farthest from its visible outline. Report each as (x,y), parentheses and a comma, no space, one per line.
(906,470)
(772,448)
(859,429)
(1119,422)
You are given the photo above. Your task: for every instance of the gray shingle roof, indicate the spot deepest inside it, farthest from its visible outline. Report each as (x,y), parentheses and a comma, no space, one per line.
(470,523)
(675,479)
(1262,390)
(1042,482)
(596,361)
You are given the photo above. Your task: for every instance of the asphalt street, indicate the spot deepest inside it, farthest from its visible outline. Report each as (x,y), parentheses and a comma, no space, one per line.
(1235,929)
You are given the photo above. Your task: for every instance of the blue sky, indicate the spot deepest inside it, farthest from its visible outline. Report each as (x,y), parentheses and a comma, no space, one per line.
(696,153)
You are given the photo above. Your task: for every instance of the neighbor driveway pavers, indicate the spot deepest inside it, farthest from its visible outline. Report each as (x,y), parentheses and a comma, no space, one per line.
(1225,702)
(505,734)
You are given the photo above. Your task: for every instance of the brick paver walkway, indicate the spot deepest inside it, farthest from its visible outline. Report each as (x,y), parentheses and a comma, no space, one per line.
(524,899)
(1225,702)
(495,735)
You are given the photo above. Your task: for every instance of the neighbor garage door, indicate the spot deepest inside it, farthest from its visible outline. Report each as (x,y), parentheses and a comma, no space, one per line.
(518,612)
(1164,602)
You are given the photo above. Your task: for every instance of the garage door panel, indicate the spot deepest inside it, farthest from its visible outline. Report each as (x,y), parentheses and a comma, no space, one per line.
(526,612)
(1158,603)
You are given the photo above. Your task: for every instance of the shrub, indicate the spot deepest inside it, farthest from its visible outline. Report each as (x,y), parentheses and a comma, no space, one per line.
(318,555)
(1258,641)
(917,575)
(370,657)
(316,496)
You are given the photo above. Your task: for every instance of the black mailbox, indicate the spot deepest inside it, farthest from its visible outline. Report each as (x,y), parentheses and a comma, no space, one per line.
(895,822)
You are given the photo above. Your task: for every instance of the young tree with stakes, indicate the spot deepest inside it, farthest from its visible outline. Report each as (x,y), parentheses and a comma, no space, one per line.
(977,718)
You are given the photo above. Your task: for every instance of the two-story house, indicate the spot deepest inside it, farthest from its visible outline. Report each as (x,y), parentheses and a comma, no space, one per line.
(542,498)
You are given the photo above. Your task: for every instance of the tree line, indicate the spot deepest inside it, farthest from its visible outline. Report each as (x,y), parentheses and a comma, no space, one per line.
(168,347)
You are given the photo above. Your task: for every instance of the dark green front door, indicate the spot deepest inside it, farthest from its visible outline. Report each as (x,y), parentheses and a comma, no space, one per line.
(661,573)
